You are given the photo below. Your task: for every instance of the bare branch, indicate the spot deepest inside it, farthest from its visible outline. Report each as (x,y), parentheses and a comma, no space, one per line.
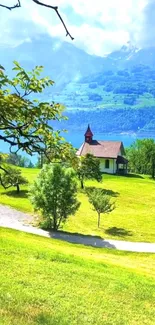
(67,32)
(16,90)
(5,139)
(58,14)
(17,5)
(55,8)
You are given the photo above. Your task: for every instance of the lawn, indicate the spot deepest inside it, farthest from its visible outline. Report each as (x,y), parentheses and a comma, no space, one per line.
(19,201)
(132,220)
(47,282)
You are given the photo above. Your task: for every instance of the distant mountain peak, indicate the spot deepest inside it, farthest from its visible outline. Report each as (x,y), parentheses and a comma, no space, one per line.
(129,47)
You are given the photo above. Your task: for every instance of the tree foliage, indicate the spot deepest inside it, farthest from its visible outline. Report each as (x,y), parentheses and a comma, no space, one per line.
(141,155)
(24,120)
(11,177)
(54,194)
(69,159)
(100,202)
(89,168)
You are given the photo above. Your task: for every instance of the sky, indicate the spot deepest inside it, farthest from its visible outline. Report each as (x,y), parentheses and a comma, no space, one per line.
(98,26)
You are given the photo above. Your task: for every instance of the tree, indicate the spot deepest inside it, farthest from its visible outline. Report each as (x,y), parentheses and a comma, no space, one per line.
(89,168)
(17,160)
(12,177)
(100,202)
(54,194)
(24,120)
(13,159)
(69,159)
(55,8)
(30,165)
(141,156)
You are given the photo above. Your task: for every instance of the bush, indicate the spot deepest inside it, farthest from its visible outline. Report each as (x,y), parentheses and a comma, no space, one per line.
(54,194)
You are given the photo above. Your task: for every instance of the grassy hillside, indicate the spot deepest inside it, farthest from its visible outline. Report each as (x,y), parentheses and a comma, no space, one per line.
(112,101)
(114,89)
(19,201)
(133,218)
(44,281)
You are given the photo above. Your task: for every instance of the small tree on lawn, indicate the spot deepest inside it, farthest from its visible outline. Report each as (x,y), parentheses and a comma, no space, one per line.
(12,177)
(100,202)
(54,194)
(89,168)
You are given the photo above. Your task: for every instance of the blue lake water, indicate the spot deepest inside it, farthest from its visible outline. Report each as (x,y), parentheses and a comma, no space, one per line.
(77,138)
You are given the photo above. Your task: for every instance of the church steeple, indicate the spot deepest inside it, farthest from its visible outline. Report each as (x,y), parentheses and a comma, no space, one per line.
(88,135)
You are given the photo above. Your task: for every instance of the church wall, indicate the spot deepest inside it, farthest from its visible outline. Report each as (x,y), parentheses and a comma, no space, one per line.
(112,166)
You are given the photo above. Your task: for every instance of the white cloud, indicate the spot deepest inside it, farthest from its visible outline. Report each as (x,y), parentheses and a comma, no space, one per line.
(105,26)
(98,41)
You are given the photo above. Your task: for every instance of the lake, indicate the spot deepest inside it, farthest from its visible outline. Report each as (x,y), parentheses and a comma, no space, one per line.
(77,138)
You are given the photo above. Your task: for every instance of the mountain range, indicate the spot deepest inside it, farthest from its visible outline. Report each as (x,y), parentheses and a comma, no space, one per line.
(119,86)
(62,61)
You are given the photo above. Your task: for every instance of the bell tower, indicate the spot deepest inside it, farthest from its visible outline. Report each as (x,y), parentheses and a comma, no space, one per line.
(88,135)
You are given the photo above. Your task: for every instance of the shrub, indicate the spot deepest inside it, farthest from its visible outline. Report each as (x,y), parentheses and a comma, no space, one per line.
(54,194)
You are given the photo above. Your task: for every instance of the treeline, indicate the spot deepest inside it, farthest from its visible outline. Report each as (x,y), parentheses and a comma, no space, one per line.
(17,160)
(141,156)
(109,120)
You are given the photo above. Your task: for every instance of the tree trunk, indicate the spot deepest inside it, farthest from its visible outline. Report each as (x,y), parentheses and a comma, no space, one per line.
(55,226)
(98,219)
(18,188)
(153,170)
(82,185)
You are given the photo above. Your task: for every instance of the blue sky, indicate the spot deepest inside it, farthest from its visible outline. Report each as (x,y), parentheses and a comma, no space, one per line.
(99,26)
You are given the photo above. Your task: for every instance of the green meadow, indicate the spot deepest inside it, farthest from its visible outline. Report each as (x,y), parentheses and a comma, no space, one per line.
(132,220)
(45,281)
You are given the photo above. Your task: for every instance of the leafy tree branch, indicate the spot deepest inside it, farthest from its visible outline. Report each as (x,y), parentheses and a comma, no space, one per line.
(25,122)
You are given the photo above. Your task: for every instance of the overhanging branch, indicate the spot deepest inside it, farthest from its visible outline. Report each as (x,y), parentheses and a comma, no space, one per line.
(55,8)
(17,5)
(4,170)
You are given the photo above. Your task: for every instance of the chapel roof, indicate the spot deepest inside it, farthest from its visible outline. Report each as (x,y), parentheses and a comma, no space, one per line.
(102,149)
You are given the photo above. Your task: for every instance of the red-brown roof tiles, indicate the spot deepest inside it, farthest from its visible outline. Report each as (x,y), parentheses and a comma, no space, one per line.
(102,149)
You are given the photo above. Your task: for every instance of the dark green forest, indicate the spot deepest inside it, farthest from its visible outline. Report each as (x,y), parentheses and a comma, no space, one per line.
(140,121)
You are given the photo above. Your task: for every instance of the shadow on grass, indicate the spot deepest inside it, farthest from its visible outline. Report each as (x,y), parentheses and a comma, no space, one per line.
(46,319)
(13,193)
(105,191)
(114,231)
(77,238)
(134,176)
(151,178)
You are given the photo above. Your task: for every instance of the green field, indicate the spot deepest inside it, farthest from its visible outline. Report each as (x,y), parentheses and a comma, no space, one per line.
(132,220)
(45,281)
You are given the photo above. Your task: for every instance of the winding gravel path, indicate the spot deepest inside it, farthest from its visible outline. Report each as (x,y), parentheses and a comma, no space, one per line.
(14,219)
